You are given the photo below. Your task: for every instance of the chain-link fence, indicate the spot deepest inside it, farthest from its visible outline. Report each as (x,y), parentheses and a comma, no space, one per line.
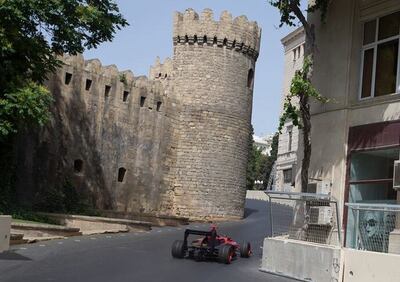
(373,227)
(306,217)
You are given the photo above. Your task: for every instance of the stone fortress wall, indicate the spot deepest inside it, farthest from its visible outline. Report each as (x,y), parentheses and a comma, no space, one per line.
(171,144)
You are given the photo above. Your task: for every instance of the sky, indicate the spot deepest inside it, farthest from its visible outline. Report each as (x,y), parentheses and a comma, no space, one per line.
(150,35)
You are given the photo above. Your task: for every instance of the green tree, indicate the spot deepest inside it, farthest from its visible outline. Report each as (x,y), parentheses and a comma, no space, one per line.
(33,33)
(250,172)
(301,89)
(33,36)
(270,160)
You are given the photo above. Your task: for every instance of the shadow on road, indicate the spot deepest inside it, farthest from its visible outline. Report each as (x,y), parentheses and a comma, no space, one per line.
(248,212)
(10,255)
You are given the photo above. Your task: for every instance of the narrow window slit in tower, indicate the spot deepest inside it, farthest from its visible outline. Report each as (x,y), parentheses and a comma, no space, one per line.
(250,78)
(215,40)
(165,76)
(121,174)
(88,84)
(107,91)
(142,101)
(225,42)
(78,166)
(68,78)
(233,44)
(205,39)
(159,106)
(125,96)
(186,39)
(195,39)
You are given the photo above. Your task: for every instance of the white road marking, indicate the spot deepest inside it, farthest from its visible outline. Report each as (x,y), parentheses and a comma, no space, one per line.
(77,240)
(42,245)
(60,243)
(108,237)
(159,231)
(93,238)
(23,248)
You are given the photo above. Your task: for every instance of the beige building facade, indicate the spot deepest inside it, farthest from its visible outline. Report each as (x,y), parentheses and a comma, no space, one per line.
(286,163)
(356,136)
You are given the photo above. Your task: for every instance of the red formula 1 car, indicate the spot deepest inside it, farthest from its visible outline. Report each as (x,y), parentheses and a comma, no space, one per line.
(210,246)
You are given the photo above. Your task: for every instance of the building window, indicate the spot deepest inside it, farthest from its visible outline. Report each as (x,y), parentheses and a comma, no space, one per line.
(125,96)
(78,166)
(142,101)
(159,106)
(68,78)
(107,91)
(380,57)
(287,175)
(121,174)
(250,79)
(290,138)
(88,84)
(371,182)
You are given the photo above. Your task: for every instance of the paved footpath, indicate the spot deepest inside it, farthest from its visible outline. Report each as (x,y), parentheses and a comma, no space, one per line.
(137,257)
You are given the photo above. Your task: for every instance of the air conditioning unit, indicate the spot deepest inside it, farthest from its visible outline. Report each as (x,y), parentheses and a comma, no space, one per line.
(321,215)
(396,175)
(320,187)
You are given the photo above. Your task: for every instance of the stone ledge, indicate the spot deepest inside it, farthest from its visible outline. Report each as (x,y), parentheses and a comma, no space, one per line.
(104,223)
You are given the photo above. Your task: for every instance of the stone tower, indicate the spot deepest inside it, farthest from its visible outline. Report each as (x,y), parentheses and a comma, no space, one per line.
(213,63)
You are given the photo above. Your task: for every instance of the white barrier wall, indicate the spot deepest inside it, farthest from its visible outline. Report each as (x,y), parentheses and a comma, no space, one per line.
(370,266)
(302,260)
(256,195)
(5,228)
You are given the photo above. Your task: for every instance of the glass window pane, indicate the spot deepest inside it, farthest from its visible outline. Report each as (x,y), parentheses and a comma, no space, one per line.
(386,68)
(389,26)
(369,32)
(376,164)
(367,73)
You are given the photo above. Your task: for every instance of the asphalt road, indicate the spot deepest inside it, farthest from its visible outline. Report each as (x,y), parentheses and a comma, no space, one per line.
(137,257)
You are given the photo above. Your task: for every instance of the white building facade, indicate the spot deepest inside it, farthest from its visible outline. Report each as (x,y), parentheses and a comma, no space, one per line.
(288,145)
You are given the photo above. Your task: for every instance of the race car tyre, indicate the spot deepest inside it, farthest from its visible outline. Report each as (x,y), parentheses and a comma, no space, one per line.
(226,254)
(178,249)
(245,250)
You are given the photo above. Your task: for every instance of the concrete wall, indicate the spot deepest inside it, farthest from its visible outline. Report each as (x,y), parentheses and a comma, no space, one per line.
(5,228)
(301,260)
(370,266)
(256,195)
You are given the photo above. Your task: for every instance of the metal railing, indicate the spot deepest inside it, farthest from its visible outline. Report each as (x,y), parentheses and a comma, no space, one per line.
(373,227)
(306,217)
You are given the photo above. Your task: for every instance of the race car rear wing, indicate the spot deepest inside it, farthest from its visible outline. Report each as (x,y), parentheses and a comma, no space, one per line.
(211,235)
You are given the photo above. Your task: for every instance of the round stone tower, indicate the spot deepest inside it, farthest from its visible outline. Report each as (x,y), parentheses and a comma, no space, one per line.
(214,63)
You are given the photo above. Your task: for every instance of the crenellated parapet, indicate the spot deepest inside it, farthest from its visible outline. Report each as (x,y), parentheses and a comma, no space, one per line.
(161,71)
(238,33)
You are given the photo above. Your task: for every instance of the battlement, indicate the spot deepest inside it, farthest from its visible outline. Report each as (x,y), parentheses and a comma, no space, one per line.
(239,33)
(94,66)
(160,70)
